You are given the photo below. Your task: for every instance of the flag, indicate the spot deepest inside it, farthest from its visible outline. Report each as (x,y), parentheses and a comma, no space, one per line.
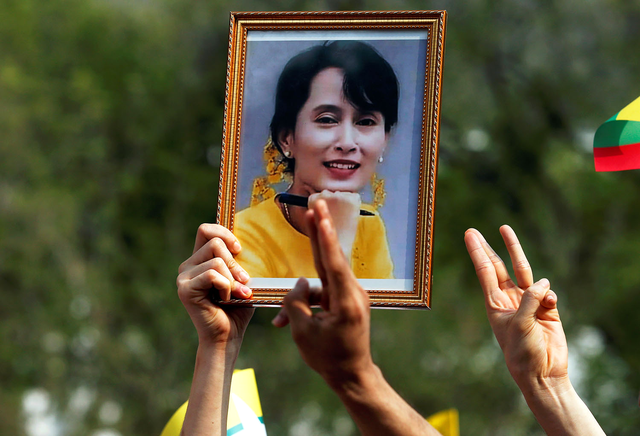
(446,422)
(616,146)
(245,412)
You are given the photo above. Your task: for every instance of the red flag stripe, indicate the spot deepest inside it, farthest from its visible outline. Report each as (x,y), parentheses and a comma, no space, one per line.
(620,158)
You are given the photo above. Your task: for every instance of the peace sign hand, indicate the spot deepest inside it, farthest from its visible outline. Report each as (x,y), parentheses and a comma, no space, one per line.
(335,341)
(523,315)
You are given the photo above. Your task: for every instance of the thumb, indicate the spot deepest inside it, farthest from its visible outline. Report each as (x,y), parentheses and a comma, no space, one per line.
(296,304)
(532,299)
(550,300)
(314,297)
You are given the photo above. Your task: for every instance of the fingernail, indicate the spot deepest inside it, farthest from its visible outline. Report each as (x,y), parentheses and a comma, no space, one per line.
(246,291)
(243,276)
(544,282)
(236,246)
(549,298)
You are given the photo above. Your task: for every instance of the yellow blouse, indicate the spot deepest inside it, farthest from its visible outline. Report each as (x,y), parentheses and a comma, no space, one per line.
(271,247)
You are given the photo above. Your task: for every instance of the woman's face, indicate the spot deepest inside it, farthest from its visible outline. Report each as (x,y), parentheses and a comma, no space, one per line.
(335,145)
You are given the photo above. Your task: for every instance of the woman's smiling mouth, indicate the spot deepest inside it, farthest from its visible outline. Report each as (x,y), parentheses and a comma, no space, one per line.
(341,169)
(342,165)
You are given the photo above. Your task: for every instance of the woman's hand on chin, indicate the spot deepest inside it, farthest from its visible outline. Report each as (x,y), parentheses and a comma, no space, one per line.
(344,208)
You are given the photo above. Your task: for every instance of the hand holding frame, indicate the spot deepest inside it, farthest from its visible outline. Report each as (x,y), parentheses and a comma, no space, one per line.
(212,271)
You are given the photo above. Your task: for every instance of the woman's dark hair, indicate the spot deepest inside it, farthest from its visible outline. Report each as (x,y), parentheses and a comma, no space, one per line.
(369,83)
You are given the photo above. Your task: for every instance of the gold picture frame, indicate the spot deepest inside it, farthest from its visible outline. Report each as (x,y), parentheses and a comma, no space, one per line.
(412,42)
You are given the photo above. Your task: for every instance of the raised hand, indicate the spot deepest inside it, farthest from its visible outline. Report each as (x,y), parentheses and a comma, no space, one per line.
(340,333)
(335,341)
(212,273)
(523,314)
(526,323)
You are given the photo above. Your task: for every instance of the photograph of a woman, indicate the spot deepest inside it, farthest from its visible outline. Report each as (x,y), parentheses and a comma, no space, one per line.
(334,113)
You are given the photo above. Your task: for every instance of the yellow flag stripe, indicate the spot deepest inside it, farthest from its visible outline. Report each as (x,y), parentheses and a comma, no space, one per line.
(446,422)
(630,112)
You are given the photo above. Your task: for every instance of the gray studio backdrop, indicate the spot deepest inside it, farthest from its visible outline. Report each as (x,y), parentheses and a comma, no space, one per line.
(268,52)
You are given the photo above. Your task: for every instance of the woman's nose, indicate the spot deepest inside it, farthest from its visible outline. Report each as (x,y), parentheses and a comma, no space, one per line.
(347,139)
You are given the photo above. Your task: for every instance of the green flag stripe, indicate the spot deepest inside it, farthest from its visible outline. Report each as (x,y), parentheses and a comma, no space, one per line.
(615,133)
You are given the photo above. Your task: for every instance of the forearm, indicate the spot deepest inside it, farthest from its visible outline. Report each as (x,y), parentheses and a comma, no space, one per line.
(210,390)
(377,409)
(558,408)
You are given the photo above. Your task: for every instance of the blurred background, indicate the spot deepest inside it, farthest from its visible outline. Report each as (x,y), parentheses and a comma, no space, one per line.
(110,131)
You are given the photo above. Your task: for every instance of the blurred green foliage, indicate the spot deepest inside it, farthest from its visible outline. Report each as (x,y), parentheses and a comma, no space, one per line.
(110,130)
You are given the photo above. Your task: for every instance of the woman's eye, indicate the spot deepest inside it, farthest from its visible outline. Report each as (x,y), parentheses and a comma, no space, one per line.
(326,119)
(367,122)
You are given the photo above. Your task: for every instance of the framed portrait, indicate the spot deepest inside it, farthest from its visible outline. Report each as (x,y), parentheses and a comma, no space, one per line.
(343,106)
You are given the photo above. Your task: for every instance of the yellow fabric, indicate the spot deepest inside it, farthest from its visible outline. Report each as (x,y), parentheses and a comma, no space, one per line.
(243,385)
(446,422)
(630,112)
(272,248)
(174,426)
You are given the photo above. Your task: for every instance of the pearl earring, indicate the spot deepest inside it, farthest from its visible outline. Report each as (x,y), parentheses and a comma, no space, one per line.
(380,159)
(287,154)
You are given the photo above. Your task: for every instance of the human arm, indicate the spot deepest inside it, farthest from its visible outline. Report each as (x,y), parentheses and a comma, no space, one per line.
(525,320)
(335,342)
(211,271)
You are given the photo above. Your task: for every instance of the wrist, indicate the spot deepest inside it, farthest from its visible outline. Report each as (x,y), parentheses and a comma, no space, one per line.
(558,408)
(353,381)
(542,387)
(229,349)
(375,407)
(216,360)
